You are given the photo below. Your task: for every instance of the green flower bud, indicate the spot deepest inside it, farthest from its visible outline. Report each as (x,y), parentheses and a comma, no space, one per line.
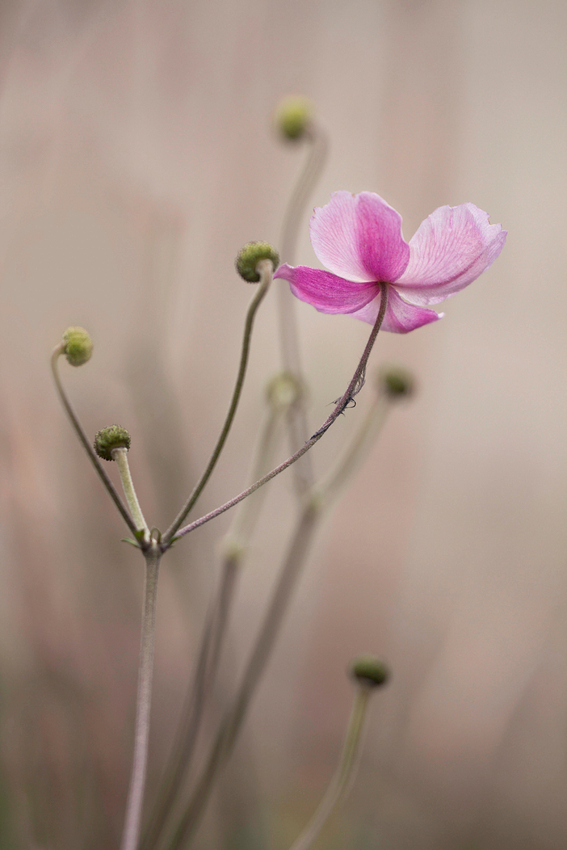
(396,382)
(113,437)
(78,346)
(283,390)
(293,116)
(369,671)
(250,256)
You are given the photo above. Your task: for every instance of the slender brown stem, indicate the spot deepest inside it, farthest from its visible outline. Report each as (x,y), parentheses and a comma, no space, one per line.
(58,350)
(352,389)
(131,832)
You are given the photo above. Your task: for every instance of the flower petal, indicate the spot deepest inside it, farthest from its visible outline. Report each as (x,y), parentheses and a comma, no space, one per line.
(359,237)
(449,250)
(400,317)
(325,291)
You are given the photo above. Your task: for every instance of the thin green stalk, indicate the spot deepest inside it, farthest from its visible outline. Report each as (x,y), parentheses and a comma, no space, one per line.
(57,351)
(306,181)
(352,389)
(344,775)
(120,455)
(290,351)
(131,834)
(266,270)
(227,734)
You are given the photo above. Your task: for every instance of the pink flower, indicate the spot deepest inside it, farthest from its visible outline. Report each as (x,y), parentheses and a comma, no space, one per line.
(359,238)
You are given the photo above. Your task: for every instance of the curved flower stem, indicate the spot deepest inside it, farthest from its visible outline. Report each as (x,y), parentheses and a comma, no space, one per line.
(291,358)
(353,388)
(131,832)
(59,349)
(266,270)
(364,438)
(344,775)
(120,455)
(227,734)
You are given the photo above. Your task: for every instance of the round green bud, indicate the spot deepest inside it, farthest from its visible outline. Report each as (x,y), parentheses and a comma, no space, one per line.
(293,116)
(78,346)
(369,671)
(396,382)
(113,437)
(283,390)
(251,255)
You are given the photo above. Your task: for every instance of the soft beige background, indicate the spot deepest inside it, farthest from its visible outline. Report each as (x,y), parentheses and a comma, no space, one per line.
(136,157)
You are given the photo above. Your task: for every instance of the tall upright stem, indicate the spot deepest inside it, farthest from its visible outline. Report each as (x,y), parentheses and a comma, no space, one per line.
(289,343)
(131,834)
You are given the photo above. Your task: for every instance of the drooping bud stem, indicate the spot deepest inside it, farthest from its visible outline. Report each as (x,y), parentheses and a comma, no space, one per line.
(60,349)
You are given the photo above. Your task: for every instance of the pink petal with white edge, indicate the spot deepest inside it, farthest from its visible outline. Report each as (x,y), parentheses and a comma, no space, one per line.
(449,250)
(400,317)
(325,291)
(359,237)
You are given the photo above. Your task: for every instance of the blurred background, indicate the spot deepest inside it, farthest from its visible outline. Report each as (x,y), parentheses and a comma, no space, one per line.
(137,156)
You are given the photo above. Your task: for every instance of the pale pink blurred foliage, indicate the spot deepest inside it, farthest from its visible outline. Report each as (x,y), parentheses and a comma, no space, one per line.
(135,160)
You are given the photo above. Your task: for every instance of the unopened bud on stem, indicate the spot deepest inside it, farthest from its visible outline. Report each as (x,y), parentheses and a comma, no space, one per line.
(293,116)
(249,257)
(113,437)
(396,382)
(78,346)
(369,671)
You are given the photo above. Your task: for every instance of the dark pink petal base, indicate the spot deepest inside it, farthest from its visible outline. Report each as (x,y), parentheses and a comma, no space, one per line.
(401,317)
(325,291)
